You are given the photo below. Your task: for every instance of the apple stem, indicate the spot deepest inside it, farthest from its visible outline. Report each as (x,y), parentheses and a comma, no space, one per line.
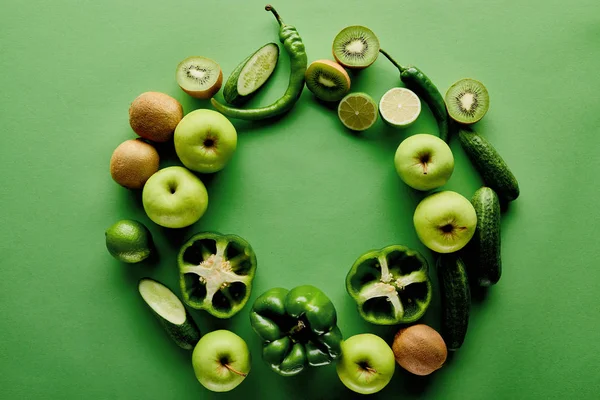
(371,370)
(235,371)
(424,168)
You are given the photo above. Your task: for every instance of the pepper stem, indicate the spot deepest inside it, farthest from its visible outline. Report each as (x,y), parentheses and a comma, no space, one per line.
(385,53)
(269,7)
(235,371)
(298,327)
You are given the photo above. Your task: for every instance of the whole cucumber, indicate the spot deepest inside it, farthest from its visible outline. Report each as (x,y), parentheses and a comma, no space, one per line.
(485,246)
(491,166)
(456,299)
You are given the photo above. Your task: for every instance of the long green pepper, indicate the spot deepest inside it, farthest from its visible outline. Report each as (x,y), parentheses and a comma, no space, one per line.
(288,35)
(416,80)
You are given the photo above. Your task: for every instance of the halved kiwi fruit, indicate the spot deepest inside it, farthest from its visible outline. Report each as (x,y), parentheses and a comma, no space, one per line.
(328,80)
(467,101)
(199,77)
(356,47)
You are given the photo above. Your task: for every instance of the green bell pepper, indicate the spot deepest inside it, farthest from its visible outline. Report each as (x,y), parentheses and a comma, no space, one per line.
(391,285)
(216,273)
(298,327)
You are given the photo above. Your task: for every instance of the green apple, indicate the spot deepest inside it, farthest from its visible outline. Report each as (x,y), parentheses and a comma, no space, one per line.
(445,221)
(205,141)
(221,360)
(367,363)
(424,161)
(174,197)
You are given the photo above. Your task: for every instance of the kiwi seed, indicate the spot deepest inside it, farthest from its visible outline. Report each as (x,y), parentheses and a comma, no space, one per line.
(133,162)
(328,80)
(200,77)
(154,116)
(467,101)
(419,349)
(356,47)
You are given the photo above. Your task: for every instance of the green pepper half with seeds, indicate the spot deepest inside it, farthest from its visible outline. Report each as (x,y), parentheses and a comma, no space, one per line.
(298,327)
(216,273)
(391,286)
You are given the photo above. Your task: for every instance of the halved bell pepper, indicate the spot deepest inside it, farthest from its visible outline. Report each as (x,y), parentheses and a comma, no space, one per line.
(299,328)
(391,285)
(216,273)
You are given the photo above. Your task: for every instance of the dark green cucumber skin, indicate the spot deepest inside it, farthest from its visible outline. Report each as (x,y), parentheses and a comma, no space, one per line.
(230,93)
(456,299)
(491,166)
(485,245)
(185,335)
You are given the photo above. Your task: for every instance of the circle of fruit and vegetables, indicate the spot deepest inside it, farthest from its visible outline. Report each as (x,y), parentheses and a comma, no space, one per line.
(390,286)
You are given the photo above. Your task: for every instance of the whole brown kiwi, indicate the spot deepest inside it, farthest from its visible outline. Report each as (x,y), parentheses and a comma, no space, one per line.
(133,162)
(419,349)
(154,116)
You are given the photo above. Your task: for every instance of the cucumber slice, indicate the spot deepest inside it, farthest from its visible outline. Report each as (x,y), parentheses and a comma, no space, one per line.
(251,74)
(170,312)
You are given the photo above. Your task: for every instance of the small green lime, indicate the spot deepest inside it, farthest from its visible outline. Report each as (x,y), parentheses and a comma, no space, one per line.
(129,241)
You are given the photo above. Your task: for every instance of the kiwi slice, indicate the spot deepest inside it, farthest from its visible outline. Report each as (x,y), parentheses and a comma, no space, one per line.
(467,101)
(356,47)
(199,77)
(328,80)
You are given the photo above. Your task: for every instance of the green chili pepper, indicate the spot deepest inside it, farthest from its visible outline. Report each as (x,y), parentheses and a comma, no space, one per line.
(417,81)
(298,328)
(391,286)
(288,35)
(216,273)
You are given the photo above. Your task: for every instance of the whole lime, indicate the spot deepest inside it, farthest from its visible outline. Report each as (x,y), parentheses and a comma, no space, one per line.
(129,241)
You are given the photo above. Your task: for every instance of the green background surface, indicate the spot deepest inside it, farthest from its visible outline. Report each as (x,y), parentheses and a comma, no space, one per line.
(309,196)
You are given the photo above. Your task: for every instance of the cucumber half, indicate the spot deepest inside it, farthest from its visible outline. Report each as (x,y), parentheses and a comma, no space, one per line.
(251,74)
(170,312)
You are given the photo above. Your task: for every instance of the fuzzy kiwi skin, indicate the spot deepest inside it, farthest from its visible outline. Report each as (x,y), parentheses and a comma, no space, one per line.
(133,162)
(419,349)
(342,73)
(154,116)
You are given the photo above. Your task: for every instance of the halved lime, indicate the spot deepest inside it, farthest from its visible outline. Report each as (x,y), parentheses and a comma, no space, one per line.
(129,241)
(357,111)
(400,107)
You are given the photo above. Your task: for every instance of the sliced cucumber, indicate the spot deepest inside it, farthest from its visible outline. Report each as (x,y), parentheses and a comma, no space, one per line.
(170,312)
(251,74)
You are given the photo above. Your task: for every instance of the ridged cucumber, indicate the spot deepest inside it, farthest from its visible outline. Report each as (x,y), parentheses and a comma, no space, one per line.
(485,247)
(170,312)
(491,166)
(251,74)
(456,299)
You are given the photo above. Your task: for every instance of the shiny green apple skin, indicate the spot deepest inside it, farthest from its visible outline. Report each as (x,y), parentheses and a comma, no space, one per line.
(445,221)
(205,141)
(424,162)
(359,352)
(174,197)
(209,354)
